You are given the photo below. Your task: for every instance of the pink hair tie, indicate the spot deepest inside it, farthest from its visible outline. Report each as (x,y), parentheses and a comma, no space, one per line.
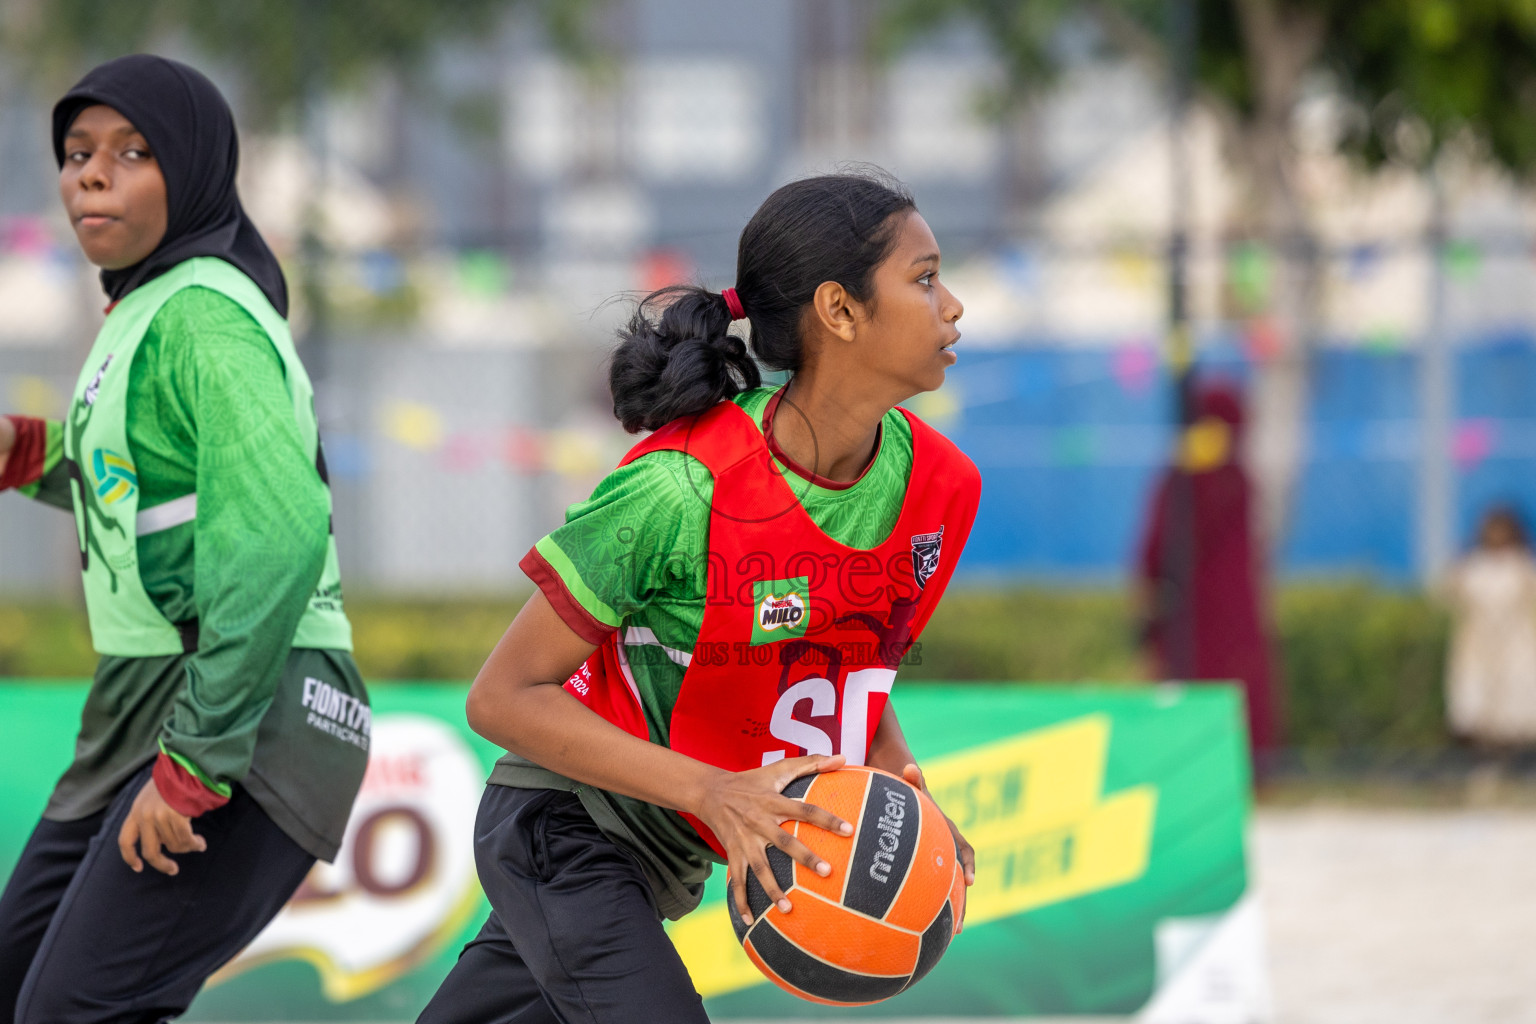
(733,303)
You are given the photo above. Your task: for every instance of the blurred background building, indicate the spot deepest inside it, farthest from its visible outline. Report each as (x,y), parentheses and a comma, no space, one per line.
(460,201)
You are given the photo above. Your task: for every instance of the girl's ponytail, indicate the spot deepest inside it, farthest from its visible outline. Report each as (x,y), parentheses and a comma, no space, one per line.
(677,357)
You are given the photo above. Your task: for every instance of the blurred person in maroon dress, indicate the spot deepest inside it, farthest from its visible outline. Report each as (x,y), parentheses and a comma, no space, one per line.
(1200,570)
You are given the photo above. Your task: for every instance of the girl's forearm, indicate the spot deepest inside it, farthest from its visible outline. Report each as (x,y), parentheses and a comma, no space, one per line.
(888,750)
(518,701)
(547,725)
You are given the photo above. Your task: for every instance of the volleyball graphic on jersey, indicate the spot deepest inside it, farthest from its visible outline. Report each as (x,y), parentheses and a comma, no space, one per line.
(885,914)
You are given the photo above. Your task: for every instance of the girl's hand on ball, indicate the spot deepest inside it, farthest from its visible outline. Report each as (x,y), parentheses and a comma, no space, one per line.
(914,776)
(153,823)
(745,811)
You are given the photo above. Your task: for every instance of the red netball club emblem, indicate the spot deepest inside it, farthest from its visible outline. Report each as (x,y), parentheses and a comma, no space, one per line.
(925,555)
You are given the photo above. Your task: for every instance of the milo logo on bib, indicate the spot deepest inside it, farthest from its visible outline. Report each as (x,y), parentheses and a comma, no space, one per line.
(780,609)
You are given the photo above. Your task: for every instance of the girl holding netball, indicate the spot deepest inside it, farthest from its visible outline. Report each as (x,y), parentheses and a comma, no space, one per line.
(225,734)
(725,614)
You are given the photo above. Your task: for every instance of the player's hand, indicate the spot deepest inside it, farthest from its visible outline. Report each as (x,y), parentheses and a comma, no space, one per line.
(914,776)
(153,823)
(745,811)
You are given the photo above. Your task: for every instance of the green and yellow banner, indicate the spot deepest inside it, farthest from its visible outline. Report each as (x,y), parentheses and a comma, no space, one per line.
(1109,825)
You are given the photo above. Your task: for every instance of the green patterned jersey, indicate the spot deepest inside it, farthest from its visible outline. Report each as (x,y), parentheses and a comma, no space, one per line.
(209,413)
(632,557)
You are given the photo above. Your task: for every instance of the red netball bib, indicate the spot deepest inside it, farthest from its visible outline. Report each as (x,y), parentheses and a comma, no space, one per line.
(801,635)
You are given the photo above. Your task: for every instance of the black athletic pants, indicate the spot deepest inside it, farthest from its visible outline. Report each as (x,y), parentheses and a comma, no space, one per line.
(573,936)
(85,940)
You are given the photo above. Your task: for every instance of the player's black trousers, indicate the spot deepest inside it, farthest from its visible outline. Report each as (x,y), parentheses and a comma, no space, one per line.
(573,936)
(84,940)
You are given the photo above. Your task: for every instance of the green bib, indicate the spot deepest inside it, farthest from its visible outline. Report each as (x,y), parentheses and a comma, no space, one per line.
(104,484)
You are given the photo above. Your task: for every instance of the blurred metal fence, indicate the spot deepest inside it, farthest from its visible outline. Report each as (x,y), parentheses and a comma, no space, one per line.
(446,465)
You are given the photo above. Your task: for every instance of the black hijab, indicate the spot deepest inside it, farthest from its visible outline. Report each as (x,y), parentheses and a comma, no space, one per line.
(192,134)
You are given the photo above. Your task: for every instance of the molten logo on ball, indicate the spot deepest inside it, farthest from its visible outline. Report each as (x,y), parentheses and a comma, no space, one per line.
(889,826)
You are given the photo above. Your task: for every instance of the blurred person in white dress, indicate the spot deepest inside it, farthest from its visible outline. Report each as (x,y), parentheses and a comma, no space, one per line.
(1491,673)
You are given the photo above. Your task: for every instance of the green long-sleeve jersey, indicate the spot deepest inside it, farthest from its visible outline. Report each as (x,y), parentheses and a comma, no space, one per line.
(209,414)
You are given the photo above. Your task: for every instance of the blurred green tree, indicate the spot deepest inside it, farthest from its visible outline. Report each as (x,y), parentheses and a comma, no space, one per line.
(1414,75)
(1413,80)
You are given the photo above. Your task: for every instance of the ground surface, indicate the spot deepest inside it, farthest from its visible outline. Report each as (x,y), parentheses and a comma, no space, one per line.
(1400,916)
(1420,913)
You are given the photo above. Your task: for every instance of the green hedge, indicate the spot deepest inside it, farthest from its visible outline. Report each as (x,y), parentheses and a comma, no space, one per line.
(1362,664)
(40,641)
(1364,669)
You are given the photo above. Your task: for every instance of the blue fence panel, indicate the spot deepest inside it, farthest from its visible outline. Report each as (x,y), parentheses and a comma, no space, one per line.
(1069,442)
(1355,508)
(1067,449)
(1495,441)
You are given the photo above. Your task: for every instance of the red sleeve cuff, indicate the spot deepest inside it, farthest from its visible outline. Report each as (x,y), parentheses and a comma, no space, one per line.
(582,622)
(182,791)
(25,465)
